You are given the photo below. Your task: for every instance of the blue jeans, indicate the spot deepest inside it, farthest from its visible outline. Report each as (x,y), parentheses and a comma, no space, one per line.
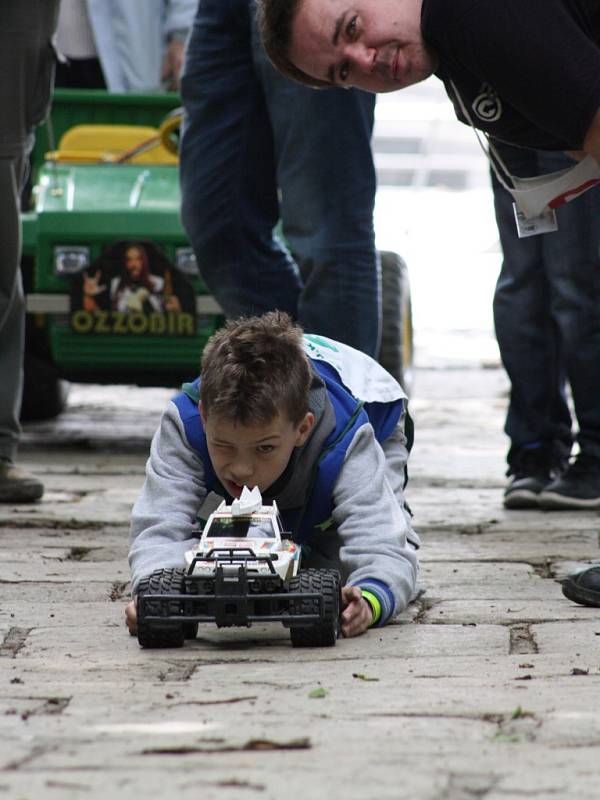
(547,315)
(258,148)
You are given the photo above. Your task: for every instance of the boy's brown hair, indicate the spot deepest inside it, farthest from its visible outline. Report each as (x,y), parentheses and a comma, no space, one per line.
(255,368)
(275,20)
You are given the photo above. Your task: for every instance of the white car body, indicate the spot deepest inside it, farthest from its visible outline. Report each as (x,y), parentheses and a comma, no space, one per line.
(259,530)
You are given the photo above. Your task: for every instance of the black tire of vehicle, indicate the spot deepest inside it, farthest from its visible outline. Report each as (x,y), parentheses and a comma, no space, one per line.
(327,583)
(45,394)
(397,349)
(168,634)
(190,630)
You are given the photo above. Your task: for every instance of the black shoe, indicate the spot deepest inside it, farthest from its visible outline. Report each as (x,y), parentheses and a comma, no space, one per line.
(583,587)
(532,469)
(18,486)
(577,487)
(523,490)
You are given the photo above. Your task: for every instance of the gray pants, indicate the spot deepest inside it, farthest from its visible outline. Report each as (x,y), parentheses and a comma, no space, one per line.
(26,72)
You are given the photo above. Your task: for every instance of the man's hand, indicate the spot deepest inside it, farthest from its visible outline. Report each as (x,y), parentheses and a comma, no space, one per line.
(91,284)
(173,64)
(131,618)
(357,615)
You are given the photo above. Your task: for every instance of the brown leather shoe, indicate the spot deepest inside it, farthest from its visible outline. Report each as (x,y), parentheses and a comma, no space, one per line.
(18,486)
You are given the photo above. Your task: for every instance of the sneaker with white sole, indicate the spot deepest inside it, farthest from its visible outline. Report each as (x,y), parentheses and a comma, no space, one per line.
(578,487)
(531,470)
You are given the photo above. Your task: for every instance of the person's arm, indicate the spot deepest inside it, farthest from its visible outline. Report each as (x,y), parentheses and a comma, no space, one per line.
(374,531)
(591,143)
(179,16)
(165,513)
(173,63)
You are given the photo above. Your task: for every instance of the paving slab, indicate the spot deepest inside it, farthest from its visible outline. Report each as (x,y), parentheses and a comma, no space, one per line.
(492,544)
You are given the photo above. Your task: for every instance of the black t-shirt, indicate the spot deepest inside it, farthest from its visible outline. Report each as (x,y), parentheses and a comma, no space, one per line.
(528,71)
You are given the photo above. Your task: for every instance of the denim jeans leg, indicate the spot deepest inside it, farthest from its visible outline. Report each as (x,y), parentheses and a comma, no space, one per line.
(228,173)
(327,181)
(12,309)
(527,332)
(572,256)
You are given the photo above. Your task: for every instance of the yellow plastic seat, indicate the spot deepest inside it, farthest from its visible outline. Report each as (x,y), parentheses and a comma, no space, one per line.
(112,143)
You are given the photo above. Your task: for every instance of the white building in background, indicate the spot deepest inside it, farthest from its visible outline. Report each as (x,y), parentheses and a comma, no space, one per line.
(434,206)
(418,142)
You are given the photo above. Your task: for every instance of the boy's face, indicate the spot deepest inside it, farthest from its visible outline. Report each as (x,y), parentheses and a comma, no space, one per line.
(252,455)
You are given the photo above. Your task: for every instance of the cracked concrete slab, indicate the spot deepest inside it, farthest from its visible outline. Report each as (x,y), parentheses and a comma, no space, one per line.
(568,544)
(489,580)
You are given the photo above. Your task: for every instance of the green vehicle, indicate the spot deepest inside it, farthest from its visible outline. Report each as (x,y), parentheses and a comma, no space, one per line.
(113,289)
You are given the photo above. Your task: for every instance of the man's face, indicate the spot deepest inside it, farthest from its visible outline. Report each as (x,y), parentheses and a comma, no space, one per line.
(134,262)
(374,45)
(252,455)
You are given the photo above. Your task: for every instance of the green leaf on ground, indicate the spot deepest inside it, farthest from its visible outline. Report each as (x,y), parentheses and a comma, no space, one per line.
(320,692)
(505,737)
(363,677)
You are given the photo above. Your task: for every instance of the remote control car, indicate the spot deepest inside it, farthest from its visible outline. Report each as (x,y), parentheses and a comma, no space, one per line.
(245,569)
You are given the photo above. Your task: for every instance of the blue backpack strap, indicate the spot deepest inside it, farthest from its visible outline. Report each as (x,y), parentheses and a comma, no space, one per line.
(187,404)
(350,414)
(384,417)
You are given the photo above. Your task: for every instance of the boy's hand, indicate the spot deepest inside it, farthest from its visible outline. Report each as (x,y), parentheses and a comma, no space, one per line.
(131,618)
(357,615)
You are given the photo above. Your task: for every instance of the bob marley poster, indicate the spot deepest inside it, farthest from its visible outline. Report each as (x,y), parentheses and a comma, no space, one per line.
(133,289)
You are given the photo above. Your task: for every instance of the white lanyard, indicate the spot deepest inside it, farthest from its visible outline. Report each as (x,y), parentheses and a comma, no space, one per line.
(539,196)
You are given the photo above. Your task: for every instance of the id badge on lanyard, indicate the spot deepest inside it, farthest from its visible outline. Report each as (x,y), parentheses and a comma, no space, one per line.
(543,223)
(537,198)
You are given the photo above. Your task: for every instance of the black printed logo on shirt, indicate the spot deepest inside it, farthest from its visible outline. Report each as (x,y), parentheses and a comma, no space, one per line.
(487,105)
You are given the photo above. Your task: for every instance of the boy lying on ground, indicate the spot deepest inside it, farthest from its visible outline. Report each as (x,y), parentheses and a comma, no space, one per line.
(319,427)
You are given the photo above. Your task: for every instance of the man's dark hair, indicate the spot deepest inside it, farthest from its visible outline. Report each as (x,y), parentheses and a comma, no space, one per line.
(275,20)
(255,368)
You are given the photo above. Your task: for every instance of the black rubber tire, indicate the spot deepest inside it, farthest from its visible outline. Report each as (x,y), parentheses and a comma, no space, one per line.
(45,394)
(190,630)
(167,634)
(327,583)
(397,349)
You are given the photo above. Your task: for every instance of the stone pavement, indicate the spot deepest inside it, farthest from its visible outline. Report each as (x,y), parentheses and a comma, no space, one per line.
(487,688)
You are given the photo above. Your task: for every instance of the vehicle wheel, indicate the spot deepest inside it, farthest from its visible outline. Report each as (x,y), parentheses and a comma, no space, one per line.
(396,351)
(325,582)
(161,634)
(190,630)
(45,394)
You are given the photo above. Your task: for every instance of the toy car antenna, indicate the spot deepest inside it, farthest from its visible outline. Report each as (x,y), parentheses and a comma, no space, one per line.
(249,501)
